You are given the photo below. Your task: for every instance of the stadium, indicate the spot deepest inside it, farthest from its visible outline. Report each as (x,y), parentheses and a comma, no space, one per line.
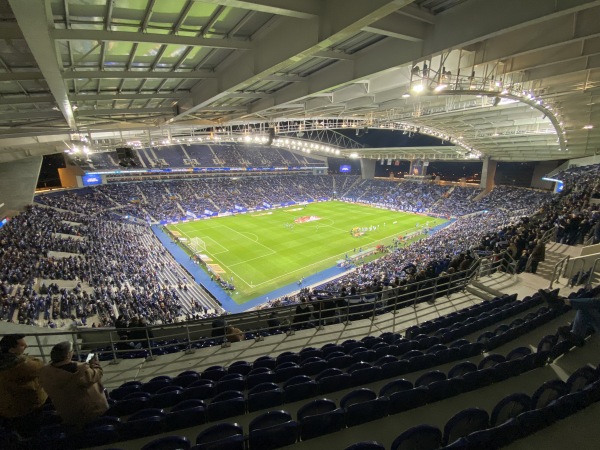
(286,224)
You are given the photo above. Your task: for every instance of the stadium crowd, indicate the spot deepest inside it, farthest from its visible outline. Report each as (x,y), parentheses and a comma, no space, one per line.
(114,271)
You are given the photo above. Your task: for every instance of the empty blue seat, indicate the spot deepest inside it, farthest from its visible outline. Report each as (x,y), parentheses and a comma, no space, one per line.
(264,361)
(226,404)
(331,380)
(519,352)
(143,423)
(231,382)
(581,378)
(314,366)
(491,361)
(461,369)
(258,376)
(299,388)
(430,377)
(264,395)
(363,405)
(127,407)
(440,390)
(422,437)
(201,391)
(213,373)
(465,422)
(223,436)
(185,414)
(283,374)
(288,357)
(319,417)
(240,367)
(510,407)
(272,430)
(366,445)
(408,399)
(395,386)
(168,443)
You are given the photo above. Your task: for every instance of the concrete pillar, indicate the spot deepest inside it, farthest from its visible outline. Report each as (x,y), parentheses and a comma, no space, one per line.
(18,180)
(488,174)
(540,170)
(367,168)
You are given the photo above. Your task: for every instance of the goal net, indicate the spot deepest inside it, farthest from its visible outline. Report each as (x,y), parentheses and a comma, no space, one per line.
(198,245)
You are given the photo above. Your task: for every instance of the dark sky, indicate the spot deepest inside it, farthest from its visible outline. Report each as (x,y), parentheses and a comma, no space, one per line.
(49,171)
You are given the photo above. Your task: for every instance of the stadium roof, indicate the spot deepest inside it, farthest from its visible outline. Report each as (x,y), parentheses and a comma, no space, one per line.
(515,80)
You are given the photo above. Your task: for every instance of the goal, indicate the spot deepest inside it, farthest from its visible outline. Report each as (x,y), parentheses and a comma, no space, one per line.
(198,245)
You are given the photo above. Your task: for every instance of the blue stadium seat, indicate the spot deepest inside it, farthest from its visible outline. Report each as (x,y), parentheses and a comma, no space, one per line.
(168,443)
(264,395)
(272,430)
(401,401)
(223,436)
(200,392)
(581,378)
(461,369)
(547,392)
(366,445)
(422,437)
(264,361)
(465,422)
(331,380)
(231,382)
(510,407)
(143,423)
(240,367)
(299,387)
(363,405)
(319,417)
(188,413)
(430,377)
(226,404)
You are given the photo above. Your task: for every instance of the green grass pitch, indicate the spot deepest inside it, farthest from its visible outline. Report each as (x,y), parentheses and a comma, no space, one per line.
(265,250)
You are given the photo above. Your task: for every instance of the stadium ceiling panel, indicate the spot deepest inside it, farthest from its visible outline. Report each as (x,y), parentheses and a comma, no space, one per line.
(512,80)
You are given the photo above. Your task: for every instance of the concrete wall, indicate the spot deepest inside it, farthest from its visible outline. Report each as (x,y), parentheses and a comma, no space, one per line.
(488,174)
(17,183)
(367,168)
(540,170)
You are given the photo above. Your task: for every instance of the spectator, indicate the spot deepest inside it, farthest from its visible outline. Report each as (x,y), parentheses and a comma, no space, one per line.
(74,388)
(234,334)
(21,395)
(538,254)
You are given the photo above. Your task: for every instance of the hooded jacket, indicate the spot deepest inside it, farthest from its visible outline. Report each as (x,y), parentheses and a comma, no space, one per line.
(20,389)
(77,394)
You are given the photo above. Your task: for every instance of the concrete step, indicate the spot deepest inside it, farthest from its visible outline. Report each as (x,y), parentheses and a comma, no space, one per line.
(479,292)
(487,289)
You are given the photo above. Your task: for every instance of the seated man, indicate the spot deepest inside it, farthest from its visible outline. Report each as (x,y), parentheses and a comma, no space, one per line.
(234,334)
(74,388)
(588,315)
(21,396)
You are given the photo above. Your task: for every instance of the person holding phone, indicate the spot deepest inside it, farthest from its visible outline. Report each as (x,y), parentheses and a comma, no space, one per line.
(75,388)
(21,396)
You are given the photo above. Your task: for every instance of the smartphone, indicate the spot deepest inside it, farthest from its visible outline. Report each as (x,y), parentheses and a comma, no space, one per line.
(90,356)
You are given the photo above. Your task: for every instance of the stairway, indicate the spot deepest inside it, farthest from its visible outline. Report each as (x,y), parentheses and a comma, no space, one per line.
(554,253)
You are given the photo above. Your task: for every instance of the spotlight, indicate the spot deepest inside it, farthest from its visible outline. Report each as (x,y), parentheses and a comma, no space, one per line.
(588,127)
(418,88)
(440,87)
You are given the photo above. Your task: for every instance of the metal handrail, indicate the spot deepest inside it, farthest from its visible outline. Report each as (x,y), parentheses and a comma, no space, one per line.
(558,269)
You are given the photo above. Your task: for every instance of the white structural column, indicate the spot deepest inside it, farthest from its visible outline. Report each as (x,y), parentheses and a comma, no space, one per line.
(35,20)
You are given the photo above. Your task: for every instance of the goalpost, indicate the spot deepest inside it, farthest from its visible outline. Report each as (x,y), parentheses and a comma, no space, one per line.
(198,245)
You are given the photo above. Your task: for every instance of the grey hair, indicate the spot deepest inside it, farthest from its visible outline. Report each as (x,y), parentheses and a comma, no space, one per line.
(60,351)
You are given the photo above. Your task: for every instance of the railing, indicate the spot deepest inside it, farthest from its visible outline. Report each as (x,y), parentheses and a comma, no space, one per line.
(113,344)
(559,268)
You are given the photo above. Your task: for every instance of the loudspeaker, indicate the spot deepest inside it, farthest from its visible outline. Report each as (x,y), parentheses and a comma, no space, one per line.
(271,132)
(124,153)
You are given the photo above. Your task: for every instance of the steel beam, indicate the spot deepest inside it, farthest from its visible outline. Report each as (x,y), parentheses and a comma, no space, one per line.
(399,27)
(36,21)
(306,9)
(152,38)
(121,74)
(274,51)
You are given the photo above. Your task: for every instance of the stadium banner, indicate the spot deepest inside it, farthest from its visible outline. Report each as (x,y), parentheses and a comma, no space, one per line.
(190,214)
(266,205)
(239,208)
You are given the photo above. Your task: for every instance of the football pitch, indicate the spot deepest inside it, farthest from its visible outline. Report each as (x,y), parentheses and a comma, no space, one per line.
(261,251)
